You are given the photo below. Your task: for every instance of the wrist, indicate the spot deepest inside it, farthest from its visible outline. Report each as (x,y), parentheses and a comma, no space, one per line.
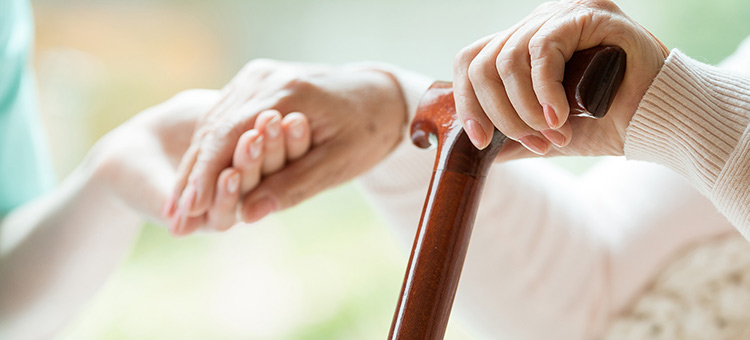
(104,171)
(690,120)
(392,92)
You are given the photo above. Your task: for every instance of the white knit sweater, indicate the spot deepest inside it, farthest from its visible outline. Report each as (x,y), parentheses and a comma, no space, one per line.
(555,256)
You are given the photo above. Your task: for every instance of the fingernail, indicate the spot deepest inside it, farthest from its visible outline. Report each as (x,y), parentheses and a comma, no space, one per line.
(476,134)
(174,223)
(535,144)
(297,129)
(260,209)
(233,183)
(188,200)
(273,128)
(550,116)
(555,137)
(168,206)
(256,147)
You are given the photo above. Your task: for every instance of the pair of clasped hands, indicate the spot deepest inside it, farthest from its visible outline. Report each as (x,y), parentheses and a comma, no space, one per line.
(281,132)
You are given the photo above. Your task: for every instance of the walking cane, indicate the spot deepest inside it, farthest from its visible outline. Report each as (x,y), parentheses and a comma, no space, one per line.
(592,78)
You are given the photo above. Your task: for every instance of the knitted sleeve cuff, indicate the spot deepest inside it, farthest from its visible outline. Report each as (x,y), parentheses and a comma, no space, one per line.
(694,120)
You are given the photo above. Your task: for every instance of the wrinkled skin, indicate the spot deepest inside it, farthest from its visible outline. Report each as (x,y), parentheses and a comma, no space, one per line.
(511,80)
(357,116)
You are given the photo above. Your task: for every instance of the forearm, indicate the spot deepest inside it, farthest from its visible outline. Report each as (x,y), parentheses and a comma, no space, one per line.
(56,251)
(694,119)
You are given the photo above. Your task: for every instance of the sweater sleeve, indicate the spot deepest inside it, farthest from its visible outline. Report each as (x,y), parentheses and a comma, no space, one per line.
(549,248)
(694,119)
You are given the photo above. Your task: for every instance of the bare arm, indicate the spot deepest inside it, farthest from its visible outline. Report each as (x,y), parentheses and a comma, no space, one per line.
(57,250)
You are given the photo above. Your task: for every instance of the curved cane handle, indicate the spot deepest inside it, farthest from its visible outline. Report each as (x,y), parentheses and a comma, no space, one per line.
(592,78)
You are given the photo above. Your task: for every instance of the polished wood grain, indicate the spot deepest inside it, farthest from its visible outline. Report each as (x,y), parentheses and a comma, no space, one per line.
(592,78)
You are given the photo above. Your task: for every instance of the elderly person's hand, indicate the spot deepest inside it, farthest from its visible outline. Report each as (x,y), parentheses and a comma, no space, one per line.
(512,80)
(260,151)
(357,116)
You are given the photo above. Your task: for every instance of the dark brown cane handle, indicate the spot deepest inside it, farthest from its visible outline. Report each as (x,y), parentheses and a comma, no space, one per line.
(592,78)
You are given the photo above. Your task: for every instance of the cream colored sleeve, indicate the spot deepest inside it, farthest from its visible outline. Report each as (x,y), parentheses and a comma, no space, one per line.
(694,119)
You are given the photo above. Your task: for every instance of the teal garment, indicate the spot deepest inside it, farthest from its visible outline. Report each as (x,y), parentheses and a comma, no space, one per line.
(25,168)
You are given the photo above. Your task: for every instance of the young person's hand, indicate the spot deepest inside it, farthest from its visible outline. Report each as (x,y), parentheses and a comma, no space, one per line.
(136,162)
(512,80)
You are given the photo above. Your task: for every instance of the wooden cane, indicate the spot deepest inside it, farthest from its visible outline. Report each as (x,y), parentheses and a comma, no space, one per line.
(591,80)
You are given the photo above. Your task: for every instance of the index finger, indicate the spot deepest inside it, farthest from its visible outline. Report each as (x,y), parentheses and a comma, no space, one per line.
(475,122)
(549,49)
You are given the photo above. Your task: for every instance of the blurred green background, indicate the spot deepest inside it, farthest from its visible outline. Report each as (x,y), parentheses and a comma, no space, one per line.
(330,268)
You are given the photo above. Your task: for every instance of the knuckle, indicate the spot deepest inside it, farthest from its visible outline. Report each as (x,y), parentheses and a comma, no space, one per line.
(286,100)
(201,133)
(584,11)
(210,136)
(584,16)
(479,70)
(463,113)
(223,130)
(538,72)
(463,57)
(509,62)
(206,155)
(474,71)
(599,4)
(545,70)
(540,45)
(298,84)
(293,92)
